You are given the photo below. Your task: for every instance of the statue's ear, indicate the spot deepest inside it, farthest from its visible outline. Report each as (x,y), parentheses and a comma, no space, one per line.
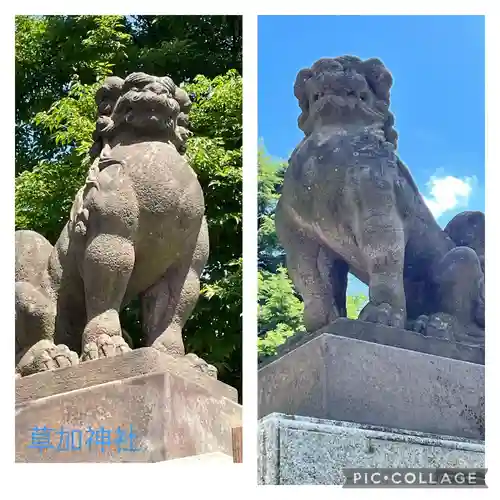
(299,88)
(378,78)
(183,99)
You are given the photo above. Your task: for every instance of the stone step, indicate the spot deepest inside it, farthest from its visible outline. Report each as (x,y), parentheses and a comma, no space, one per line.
(296,450)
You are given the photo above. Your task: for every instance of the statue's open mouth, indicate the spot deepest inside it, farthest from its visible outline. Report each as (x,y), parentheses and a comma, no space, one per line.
(351,101)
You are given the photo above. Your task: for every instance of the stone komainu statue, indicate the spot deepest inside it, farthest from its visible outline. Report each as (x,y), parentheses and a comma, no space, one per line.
(137,229)
(349,204)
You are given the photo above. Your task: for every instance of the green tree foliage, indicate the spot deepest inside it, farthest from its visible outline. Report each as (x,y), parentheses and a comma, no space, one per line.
(60,62)
(215,152)
(270,172)
(51,52)
(354,305)
(281,309)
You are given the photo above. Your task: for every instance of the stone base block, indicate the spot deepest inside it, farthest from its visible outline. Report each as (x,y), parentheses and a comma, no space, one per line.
(216,457)
(307,451)
(144,406)
(339,378)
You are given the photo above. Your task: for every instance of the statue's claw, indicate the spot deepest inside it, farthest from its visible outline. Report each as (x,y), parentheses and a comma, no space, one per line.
(201,365)
(439,325)
(191,359)
(383,314)
(45,356)
(104,346)
(420,324)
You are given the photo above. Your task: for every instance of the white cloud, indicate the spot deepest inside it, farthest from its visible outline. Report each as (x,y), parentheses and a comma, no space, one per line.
(447,193)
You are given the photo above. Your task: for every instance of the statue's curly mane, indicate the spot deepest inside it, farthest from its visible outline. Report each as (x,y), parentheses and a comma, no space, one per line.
(119,102)
(351,74)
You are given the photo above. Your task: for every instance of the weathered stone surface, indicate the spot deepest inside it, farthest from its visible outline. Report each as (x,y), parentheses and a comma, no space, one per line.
(339,378)
(174,412)
(468,229)
(349,204)
(386,335)
(215,457)
(298,450)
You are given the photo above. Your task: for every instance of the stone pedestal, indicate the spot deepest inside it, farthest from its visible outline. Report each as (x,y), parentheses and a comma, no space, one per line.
(301,450)
(339,378)
(144,406)
(215,457)
(349,399)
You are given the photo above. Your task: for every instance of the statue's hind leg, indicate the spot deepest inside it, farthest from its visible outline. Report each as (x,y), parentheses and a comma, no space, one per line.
(459,305)
(107,266)
(168,304)
(318,274)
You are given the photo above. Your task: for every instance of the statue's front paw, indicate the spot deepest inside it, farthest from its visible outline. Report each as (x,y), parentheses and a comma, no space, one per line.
(191,359)
(419,325)
(104,346)
(49,357)
(439,325)
(384,314)
(201,365)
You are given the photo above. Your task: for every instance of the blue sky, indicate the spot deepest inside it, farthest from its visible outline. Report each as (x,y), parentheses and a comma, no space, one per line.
(437,63)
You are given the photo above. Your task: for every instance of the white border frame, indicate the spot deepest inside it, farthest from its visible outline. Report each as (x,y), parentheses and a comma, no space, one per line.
(89,480)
